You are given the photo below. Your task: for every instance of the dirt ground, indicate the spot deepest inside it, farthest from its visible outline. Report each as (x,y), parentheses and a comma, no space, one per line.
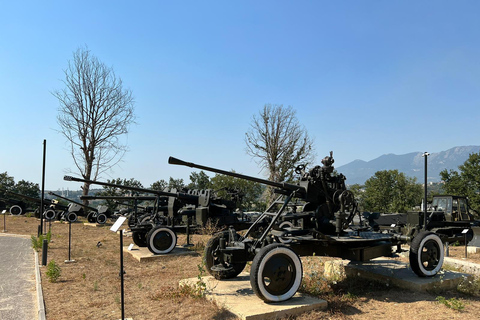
(89,288)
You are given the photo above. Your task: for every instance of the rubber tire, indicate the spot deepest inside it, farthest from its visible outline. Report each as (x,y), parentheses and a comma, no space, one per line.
(49,214)
(139,238)
(161,240)
(15,210)
(431,246)
(278,256)
(101,218)
(91,217)
(71,217)
(209,258)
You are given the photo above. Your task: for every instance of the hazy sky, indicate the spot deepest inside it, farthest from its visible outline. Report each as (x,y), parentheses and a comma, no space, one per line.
(365,77)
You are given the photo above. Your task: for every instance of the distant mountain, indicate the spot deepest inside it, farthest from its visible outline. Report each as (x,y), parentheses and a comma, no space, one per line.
(411,164)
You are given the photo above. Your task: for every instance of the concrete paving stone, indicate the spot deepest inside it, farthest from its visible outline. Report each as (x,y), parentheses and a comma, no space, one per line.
(399,274)
(237,296)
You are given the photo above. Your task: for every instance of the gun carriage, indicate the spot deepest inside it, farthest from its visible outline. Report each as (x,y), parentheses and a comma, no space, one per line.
(323,227)
(98,215)
(51,209)
(178,212)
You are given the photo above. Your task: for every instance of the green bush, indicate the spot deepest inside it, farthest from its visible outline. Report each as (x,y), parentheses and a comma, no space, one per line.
(53,271)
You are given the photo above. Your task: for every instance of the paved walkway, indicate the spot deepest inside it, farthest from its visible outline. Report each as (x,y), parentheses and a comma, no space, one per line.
(17,279)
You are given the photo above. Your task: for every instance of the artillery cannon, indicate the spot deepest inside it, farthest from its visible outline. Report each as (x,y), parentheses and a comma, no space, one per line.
(98,215)
(54,209)
(176,212)
(323,227)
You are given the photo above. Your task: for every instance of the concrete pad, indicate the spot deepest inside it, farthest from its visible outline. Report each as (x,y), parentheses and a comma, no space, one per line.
(399,274)
(463,265)
(90,224)
(142,254)
(237,296)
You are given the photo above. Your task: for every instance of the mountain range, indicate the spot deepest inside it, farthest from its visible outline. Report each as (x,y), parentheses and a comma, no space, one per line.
(411,164)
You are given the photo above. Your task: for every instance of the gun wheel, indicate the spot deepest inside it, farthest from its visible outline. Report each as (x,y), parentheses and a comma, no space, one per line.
(91,217)
(16,210)
(212,258)
(161,240)
(426,254)
(50,214)
(139,238)
(101,218)
(71,216)
(276,273)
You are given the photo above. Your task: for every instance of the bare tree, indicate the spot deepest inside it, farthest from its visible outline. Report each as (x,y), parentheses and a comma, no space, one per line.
(278,142)
(94,112)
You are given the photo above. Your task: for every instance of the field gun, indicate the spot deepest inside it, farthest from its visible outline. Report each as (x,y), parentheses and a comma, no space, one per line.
(135,217)
(98,215)
(178,212)
(51,209)
(323,227)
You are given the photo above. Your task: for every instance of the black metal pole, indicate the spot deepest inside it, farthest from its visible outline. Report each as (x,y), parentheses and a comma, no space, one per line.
(43,185)
(69,239)
(426,154)
(121,275)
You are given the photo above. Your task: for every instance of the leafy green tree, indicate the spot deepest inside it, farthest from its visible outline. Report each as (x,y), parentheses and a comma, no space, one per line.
(27,188)
(199,180)
(6,183)
(466,182)
(251,192)
(118,191)
(391,191)
(159,185)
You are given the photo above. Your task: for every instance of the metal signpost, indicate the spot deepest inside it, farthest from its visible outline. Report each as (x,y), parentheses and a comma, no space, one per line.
(4,221)
(115,228)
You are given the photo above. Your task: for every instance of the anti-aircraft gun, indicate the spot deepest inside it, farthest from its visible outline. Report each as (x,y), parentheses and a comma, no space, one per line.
(98,215)
(178,212)
(323,227)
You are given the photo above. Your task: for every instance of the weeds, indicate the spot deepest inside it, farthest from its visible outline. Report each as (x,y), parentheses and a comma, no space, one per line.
(452,303)
(37,242)
(53,271)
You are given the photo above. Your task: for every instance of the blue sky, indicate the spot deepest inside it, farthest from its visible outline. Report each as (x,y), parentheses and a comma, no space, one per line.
(366,78)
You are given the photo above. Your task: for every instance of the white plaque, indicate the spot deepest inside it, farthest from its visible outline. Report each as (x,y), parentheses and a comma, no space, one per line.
(117,224)
(130,247)
(465,231)
(392,225)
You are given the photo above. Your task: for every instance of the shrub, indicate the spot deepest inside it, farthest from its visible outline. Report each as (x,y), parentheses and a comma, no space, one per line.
(53,271)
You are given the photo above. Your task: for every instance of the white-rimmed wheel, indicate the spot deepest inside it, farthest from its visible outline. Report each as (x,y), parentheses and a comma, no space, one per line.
(101,218)
(71,216)
(16,210)
(161,240)
(426,254)
(276,273)
(50,214)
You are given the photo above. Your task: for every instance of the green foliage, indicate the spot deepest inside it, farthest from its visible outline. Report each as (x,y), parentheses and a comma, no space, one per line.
(466,181)
(199,180)
(53,271)
(37,242)
(250,192)
(116,191)
(452,303)
(391,191)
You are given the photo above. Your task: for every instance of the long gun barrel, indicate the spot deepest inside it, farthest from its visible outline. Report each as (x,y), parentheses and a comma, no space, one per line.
(183,196)
(69,200)
(141,198)
(279,185)
(46,202)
